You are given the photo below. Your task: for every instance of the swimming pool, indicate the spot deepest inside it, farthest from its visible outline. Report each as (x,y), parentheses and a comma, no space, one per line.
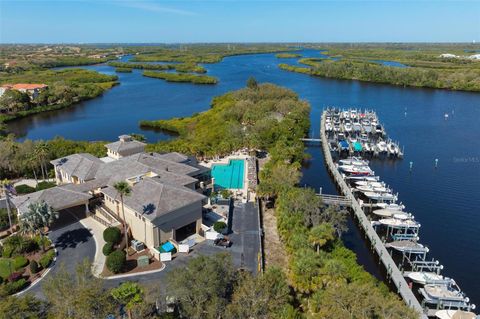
(230,175)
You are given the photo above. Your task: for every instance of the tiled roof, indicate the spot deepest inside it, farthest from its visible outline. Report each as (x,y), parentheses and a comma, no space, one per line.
(122,146)
(24,86)
(56,197)
(152,198)
(82,165)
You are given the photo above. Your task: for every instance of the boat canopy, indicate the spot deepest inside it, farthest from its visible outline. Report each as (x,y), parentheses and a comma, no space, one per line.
(357,146)
(344,144)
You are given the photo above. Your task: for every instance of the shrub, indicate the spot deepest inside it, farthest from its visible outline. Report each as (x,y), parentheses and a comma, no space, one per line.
(107,249)
(24,189)
(19,262)
(112,235)
(14,276)
(20,244)
(116,261)
(47,258)
(219,226)
(225,193)
(7,251)
(14,287)
(34,267)
(45,185)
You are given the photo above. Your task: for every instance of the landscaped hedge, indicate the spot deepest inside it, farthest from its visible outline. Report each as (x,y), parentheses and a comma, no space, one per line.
(19,262)
(116,261)
(24,189)
(17,245)
(34,268)
(107,248)
(112,235)
(13,287)
(219,226)
(47,258)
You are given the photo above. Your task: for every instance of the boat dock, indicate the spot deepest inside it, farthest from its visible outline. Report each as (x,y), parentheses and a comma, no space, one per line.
(392,232)
(393,273)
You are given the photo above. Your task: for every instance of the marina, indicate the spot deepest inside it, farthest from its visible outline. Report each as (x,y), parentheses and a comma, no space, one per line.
(358,132)
(392,232)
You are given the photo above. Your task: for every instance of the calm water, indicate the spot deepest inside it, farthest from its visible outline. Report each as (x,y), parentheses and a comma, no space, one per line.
(445,200)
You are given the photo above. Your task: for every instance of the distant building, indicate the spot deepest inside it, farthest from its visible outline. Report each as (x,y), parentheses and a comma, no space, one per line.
(448,56)
(33,90)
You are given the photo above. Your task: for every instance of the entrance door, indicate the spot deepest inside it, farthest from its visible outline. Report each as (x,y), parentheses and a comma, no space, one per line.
(185,231)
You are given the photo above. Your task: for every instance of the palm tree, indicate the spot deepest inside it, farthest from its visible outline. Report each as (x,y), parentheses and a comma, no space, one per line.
(38,216)
(42,152)
(32,162)
(123,189)
(320,235)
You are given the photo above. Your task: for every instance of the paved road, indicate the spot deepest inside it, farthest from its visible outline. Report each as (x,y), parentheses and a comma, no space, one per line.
(74,243)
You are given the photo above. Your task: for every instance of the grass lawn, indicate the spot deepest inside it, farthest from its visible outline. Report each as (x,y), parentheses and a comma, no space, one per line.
(5,267)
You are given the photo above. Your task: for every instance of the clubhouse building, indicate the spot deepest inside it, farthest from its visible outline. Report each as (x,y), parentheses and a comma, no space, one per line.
(165,202)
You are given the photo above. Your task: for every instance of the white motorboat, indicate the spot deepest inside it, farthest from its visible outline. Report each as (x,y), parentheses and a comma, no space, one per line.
(363,137)
(367,126)
(382,147)
(336,127)
(357,126)
(347,127)
(391,148)
(328,119)
(362,178)
(328,127)
(370,188)
(399,223)
(353,114)
(406,246)
(391,206)
(370,183)
(455,314)
(356,161)
(378,129)
(424,278)
(366,147)
(442,293)
(386,212)
(356,170)
(380,196)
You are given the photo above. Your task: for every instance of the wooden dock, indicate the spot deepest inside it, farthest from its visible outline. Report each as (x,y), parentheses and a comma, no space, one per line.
(341,201)
(393,273)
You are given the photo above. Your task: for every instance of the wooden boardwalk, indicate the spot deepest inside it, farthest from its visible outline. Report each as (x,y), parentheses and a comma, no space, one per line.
(393,273)
(341,201)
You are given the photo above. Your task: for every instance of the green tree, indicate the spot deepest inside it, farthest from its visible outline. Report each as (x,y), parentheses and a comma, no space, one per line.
(24,307)
(77,296)
(321,235)
(42,155)
(123,189)
(252,83)
(260,297)
(203,287)
(128,294)
(38,216)
(13,101)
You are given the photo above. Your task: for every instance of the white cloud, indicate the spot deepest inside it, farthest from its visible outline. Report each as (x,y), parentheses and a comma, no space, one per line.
(153,6)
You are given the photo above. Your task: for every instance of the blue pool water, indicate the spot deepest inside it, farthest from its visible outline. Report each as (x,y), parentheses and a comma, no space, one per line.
(228,176)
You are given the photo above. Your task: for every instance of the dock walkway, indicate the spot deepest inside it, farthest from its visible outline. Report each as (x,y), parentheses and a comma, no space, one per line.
(392,271)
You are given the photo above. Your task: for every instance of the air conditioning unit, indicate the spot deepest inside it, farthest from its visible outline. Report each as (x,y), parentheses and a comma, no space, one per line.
(137,245)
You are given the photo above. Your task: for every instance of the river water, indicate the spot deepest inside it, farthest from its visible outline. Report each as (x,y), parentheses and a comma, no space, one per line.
(445,200)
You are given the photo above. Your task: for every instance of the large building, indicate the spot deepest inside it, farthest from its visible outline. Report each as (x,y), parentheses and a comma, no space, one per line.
(165,202)
(33,90)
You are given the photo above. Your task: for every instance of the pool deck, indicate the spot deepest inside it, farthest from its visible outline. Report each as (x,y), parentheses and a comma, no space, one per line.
(244,191)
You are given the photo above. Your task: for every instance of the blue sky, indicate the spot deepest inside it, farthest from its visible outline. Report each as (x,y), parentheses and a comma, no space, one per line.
(37,21)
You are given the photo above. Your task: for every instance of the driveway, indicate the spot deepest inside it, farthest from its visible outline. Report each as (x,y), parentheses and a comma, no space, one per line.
(74,243)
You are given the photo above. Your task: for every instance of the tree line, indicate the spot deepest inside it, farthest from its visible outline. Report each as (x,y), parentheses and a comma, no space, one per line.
(65,88)
(452,79)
